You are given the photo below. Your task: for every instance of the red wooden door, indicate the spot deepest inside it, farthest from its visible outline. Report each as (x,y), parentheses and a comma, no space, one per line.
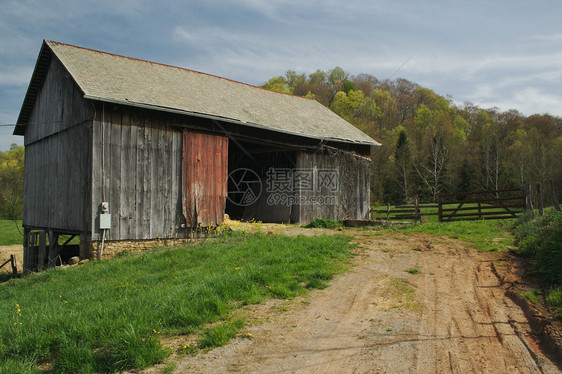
(204,178)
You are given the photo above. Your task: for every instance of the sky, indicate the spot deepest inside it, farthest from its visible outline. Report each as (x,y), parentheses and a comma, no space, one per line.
(501,53)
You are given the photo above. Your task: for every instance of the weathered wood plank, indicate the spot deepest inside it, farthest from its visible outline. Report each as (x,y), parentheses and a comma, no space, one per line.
(146,186)
(163,182)
(114,173)
(129,176)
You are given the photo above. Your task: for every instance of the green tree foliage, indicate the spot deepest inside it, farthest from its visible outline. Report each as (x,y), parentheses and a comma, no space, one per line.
(278,84)
(11,183)
(539,238)
(403,164)
(450,148)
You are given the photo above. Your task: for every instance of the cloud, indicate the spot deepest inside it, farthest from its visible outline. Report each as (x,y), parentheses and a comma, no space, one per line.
(462,49)
(6,130)
(529,100)
(15,75)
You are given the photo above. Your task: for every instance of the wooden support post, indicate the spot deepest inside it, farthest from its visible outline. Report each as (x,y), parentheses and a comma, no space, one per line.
(85,245)
(539,200)
(41,255)
(25,249)
(440,209)
(53,248)
(417,212)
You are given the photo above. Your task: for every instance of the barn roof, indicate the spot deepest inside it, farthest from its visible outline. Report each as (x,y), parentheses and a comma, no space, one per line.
(117,79)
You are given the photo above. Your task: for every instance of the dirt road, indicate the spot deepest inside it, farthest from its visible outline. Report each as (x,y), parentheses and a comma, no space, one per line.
(5,252)
(414,304)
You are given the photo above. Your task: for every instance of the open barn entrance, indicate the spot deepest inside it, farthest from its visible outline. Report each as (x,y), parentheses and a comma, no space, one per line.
(256,171)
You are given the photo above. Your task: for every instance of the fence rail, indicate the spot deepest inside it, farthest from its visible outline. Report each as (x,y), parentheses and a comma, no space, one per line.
(411,212)
(493,204)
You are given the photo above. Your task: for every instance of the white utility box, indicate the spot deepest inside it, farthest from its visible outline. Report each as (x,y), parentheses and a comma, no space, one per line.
(105,221)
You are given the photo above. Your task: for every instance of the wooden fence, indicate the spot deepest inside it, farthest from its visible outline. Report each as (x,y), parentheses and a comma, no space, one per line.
(12,262)
(410,212)
(482,205)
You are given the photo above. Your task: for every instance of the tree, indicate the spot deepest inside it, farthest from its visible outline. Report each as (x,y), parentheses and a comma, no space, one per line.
(278,84)
(356,108)
(11,183)
(450,148)
(318,77)
(336,77)
(432,171)
(403,163)
(296,83)
(366,83)
(389,110)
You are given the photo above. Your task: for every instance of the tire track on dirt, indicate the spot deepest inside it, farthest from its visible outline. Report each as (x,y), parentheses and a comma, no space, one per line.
(452,317)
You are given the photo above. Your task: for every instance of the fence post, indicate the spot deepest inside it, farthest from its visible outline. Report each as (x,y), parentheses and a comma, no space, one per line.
(417,212)
(387,211)
(14,265)
(479,206)
(539,200)
(439,209)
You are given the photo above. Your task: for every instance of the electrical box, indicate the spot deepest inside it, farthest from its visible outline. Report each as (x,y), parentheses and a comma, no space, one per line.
(105,221)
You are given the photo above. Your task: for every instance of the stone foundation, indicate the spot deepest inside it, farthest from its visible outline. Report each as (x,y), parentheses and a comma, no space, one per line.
(112,248)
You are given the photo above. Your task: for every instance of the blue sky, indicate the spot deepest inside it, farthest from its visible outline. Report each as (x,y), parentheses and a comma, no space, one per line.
(500,53)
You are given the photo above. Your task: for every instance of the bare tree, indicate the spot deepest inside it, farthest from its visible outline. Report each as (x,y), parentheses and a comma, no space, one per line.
(432,172)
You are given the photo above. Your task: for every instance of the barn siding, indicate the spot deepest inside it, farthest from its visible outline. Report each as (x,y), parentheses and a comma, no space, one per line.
(140,176)
(351,193)
(204,176)
(58,149)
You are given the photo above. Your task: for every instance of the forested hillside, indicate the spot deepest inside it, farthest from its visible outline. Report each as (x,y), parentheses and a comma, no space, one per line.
(11,183)
(431,146)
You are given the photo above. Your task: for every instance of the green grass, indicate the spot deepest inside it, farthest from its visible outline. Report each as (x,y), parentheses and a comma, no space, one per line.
(483,235)
(324,223)
(220,334)
(534,296)
(412,271)
(403,292)
(110,316)
(554,297)
(9,233)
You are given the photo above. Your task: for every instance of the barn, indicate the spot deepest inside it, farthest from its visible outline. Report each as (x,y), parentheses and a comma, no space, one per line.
(120,149)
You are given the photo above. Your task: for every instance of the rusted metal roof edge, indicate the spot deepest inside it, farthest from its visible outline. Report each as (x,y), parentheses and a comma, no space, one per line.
(221,118)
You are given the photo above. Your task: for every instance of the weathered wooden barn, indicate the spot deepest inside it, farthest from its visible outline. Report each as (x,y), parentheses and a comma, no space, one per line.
(118,148)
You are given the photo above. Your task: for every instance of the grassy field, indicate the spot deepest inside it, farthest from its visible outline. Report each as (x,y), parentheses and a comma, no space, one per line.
(111,315)
(483,235)
(9,233)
